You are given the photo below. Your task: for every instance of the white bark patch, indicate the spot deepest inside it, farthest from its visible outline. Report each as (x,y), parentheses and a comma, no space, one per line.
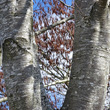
(24,29)
(96,28)
(29,90)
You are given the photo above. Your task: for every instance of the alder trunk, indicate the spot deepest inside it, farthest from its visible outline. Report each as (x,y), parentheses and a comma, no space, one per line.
(21,69)
(91,56)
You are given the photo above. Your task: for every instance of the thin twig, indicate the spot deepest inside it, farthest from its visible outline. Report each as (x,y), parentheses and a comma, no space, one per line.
(57,82)
(80,11)
(66,4)
(53,25)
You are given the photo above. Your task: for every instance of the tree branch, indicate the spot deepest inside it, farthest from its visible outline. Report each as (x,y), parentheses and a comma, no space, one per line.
(3,99)
(50,73)
(66,4)
(53,25)
(57,82)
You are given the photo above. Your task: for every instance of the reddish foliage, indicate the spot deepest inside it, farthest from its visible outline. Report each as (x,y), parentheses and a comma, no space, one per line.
(2,91)
(55,45)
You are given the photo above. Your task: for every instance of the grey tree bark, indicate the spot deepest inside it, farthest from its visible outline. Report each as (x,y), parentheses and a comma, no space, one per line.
(90,66)
(21,69)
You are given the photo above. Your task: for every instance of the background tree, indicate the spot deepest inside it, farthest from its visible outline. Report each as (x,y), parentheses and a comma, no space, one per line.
(54,45)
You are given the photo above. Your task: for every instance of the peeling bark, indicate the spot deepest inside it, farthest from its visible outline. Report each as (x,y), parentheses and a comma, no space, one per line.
(90,66)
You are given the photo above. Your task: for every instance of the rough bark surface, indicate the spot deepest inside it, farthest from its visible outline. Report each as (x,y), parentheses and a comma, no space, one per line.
(21,69)
(90,67)
(0,56)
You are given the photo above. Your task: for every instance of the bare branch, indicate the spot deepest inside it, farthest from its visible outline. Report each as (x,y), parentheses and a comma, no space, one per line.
(57,82)
(53,25)
(58,72)
(49,72)
(66,4)
(3,99)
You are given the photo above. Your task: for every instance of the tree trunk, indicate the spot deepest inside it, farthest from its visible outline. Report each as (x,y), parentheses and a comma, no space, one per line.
(90,66)
(21,69)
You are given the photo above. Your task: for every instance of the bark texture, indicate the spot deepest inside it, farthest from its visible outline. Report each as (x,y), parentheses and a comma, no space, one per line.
(21,69)
(90,66)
